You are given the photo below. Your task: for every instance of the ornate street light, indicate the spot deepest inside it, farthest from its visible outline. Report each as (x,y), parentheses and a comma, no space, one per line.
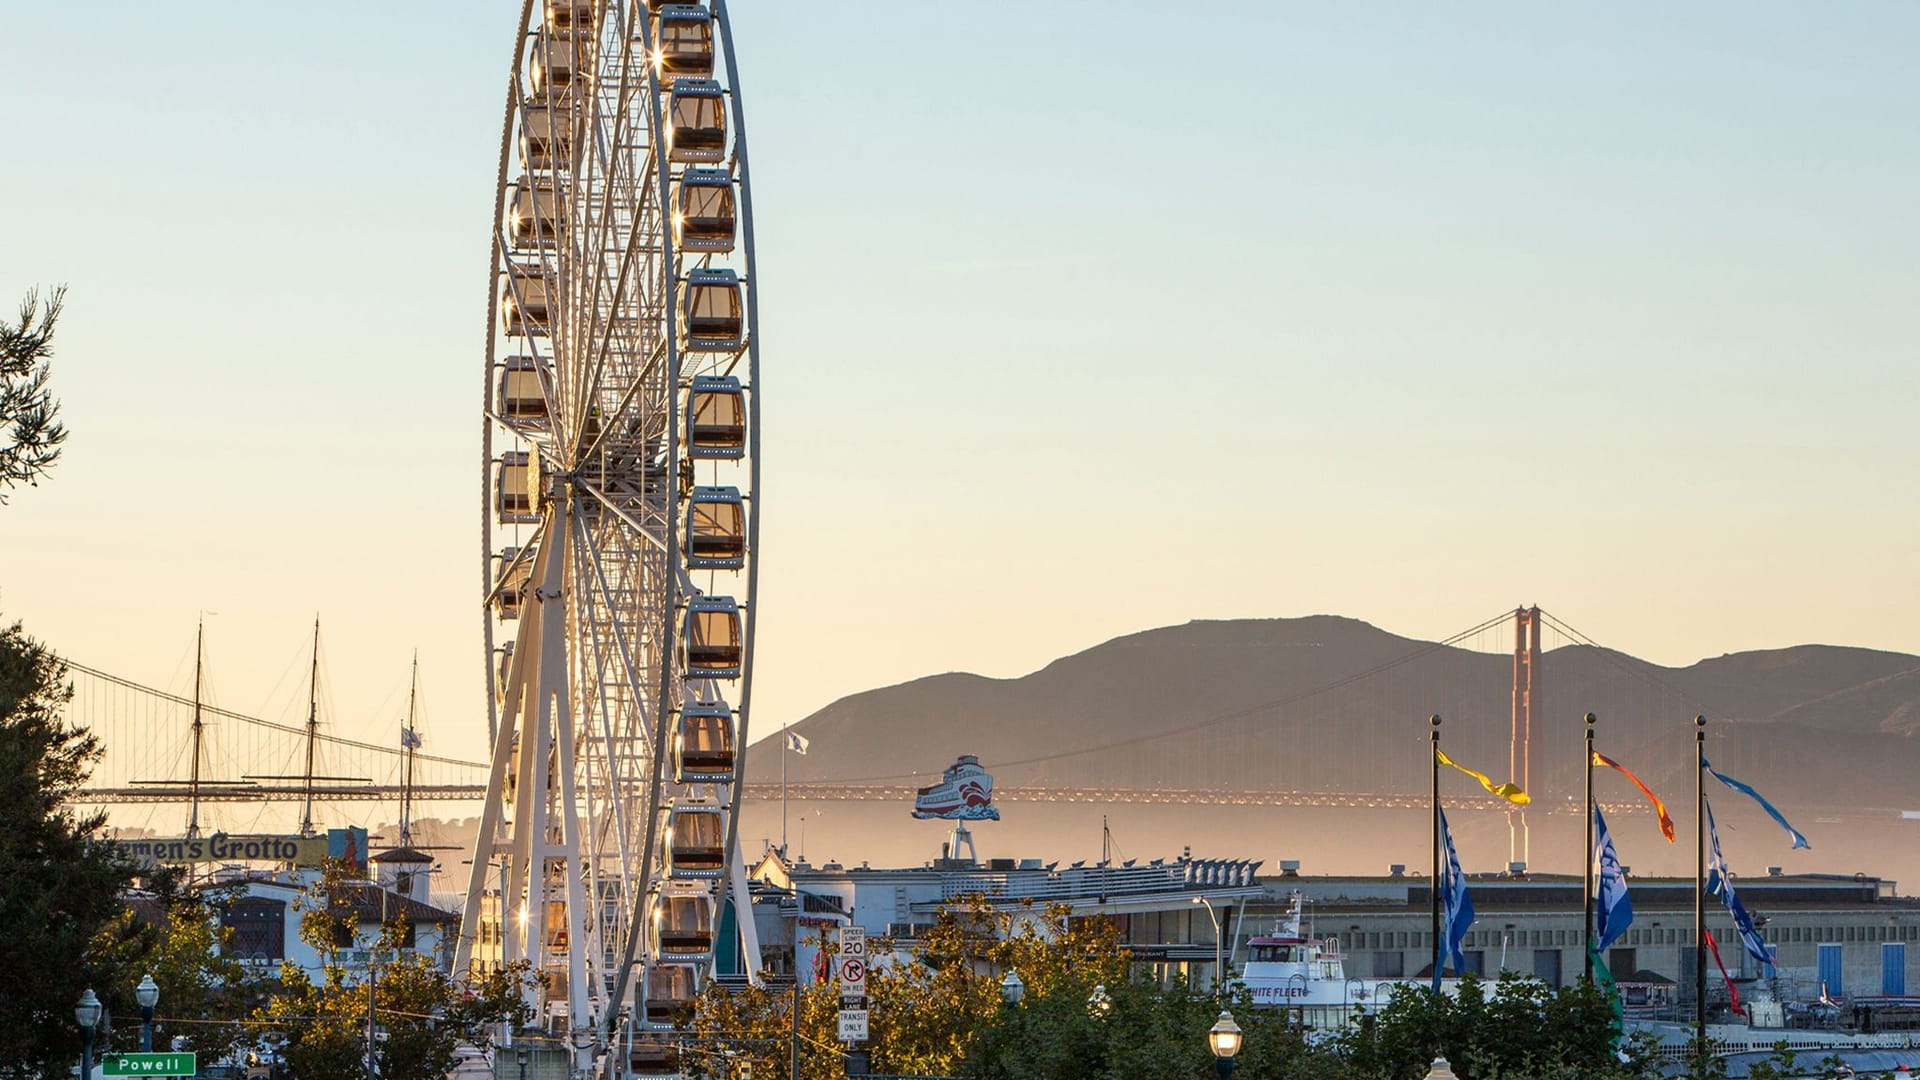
(86,1012)
(1224,1040)
(148,995)
(1099,1005)
(1441,1070)
(1012,989)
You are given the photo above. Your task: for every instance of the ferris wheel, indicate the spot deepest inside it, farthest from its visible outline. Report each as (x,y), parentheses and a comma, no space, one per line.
(620,486)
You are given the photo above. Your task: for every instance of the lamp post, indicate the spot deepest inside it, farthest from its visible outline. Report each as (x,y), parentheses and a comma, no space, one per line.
(1219,972)
(87,1013)
(521,1054)
(1441,1070)
(1012,988)
(1224,1040)
(1099,1005)
(148,995)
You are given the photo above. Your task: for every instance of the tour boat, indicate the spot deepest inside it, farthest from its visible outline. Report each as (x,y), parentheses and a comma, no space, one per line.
(964,787)
(1289,969)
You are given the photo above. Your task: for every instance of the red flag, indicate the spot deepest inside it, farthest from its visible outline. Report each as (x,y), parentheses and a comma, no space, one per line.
(1714,948)
(1666,823)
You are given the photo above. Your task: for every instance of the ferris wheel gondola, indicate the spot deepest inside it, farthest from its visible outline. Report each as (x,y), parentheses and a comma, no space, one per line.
(621,470)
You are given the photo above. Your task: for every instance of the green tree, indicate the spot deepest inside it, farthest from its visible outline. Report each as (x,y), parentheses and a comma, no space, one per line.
(60,881)
(32,432)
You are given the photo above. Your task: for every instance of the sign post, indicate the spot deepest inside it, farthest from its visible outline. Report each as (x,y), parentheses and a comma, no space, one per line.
(150,1064)
(850,968)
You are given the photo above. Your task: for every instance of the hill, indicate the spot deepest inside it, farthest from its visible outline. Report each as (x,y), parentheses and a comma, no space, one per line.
(1326,703)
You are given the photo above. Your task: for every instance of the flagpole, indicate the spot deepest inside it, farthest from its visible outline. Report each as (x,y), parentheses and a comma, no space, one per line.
(1700,893)
(786,749)
(1587,903)
(1434,834)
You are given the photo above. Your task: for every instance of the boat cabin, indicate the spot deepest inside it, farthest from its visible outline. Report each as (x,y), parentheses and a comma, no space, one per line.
(703,215)
(711,645)
(713,310)
(686,42)
(703,746)
(696,121)
(716,418)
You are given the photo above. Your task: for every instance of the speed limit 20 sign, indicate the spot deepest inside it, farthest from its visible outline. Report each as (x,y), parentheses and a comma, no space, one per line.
(851,965)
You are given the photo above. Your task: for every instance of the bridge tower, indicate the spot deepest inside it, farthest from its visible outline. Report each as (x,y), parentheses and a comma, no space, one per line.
(1526,702)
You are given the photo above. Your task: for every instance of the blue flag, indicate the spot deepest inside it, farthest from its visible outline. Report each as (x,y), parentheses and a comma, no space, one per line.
(1720,886)
(1457,911)
(1613,909)
(1799,840)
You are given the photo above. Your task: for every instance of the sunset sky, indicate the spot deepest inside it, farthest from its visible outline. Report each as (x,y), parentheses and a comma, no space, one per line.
(1077,319)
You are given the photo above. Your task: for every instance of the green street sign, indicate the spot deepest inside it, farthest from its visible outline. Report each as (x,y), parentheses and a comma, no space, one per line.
(150,1064)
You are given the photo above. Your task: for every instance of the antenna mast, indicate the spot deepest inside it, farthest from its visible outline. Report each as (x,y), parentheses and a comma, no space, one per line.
(199,727)
(313,729)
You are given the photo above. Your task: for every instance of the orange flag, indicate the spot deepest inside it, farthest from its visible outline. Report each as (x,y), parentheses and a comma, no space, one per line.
(1666,823)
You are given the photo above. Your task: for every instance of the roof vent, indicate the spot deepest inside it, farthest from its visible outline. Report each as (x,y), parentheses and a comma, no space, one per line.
(1518,868)
(1289,867)
(1398,869)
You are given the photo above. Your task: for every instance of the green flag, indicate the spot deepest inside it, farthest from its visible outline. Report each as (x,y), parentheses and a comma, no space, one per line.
(1603,978)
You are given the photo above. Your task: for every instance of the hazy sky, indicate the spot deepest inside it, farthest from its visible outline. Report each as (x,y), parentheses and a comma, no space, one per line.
(1078,318)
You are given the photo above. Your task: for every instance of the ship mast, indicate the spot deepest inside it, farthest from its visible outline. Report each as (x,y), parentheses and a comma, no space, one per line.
(313,729)
(410,740)
(199,729)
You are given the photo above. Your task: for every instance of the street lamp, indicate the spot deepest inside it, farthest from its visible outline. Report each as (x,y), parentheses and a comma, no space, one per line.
(521,1054)
(1441,1070)
(87,1013)
(1223,1038)
(148,995)
(1012,989)
(1219,972)
(1099,1005)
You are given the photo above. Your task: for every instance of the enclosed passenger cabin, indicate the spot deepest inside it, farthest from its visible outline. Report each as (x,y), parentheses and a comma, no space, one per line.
(682,923)
(696,841)
(703,216)
(711,639)
(671,988)
(713,311)
(533,212)
(524,302)
(654,1059)
(716,535)
(686,42)
(526,384)
(510,574)
(703,746)
(716,418)
(554,61)
(546,135)
(696,121)
(569,14)
(516,488)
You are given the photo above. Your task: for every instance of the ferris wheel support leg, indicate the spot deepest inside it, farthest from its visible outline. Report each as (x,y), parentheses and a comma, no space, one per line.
(742,901)
(488,843)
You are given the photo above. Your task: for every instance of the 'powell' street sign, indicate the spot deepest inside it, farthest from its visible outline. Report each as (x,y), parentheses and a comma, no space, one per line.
(149,1064)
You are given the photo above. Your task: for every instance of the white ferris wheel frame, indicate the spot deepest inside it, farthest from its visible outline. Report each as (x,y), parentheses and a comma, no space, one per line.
(593,675)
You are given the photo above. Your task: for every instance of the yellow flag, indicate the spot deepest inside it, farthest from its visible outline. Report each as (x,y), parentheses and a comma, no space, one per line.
(1509,792)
